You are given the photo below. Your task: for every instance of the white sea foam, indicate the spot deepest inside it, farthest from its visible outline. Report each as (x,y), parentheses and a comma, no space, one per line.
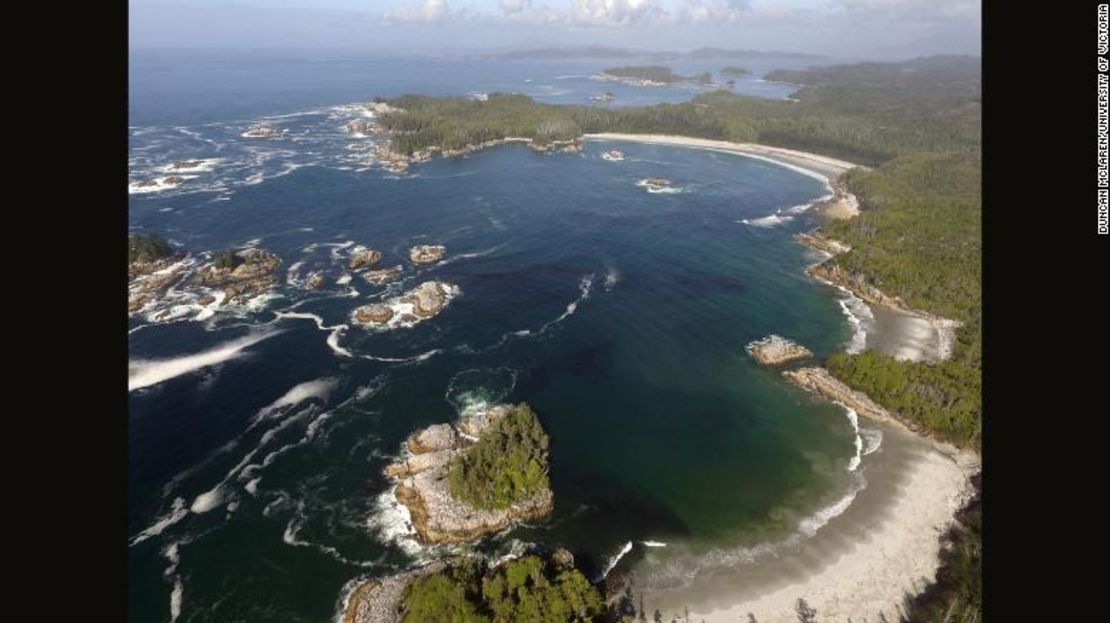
(810,525)
(208,500)
(175,598)
(861,318)
(202,165)
(393,523)
(800,208)
(319,389)
(654,543)
(176,514)
(160,184)
(344,279)
(772,220)
(657,190)
(252,485)
(613,560)
(612,276)
(146,372)
(336,331)
(853,417)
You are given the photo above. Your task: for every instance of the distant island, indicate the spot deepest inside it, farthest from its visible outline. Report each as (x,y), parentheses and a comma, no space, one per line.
(735,72)
(602,52)
(653,75)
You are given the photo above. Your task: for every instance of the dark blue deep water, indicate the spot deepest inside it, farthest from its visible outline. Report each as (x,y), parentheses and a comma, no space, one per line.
(257,434)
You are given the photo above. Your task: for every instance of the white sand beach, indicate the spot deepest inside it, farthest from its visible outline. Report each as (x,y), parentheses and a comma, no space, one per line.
(884,543)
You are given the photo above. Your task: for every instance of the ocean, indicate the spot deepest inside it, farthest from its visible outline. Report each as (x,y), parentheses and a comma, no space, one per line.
(257,434)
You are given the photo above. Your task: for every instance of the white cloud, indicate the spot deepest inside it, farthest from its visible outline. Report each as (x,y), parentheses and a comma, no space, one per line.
(615,12)
(515,6)
(423,11)
(715,11)
(922,10)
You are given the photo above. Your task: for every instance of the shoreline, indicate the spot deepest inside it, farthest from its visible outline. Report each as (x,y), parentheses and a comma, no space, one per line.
(814,165)
(885,545)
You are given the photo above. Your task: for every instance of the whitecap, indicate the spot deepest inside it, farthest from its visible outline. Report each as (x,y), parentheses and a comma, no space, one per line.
(146,372)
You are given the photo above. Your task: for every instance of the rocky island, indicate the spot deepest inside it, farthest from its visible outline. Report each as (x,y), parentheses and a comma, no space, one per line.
(655,184)
(364,257)
(652,76)
(240,274)
(261,131)
(486,473)
(775,350)
(538,586)
(427,253)
(424,301)
(152,267)
(383,276)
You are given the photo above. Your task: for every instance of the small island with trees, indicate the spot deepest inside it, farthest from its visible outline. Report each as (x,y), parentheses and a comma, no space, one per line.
(653,75)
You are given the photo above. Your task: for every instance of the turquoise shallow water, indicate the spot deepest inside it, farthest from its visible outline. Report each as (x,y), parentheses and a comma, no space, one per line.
(619,314)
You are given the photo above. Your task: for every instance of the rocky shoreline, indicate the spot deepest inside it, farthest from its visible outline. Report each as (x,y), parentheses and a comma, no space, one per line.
(775,350)
(380,600)
(421,484)
(860,285)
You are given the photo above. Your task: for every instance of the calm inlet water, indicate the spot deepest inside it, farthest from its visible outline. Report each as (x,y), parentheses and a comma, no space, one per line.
(257,435)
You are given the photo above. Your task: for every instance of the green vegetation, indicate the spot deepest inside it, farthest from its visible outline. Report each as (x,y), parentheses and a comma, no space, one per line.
(227,260)
(143,248)
(932,107)
(526,589)
(652,73)
(735,72)
(508,464)
(918,236)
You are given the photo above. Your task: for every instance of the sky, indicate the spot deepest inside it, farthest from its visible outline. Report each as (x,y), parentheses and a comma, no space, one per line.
(879,29)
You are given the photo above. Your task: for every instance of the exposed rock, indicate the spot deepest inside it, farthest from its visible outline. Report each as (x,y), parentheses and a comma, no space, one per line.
(381,108)
(362,257)
(146,183)
(316,280)
(380,600)
(858,284)
(262,131)
(186,164)
(147,281)
(254,275)
(476,423)
(657,181)
(383,275)
(206,299)
(562,557)
(363,126)
(437,517)
(172,180)
(820,381)
(427,253)
(427,299)
(433,438)
(817,240)
(374,314)
(775,350)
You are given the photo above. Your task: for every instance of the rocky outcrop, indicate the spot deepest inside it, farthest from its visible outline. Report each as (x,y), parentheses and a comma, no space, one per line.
(262,131)
(858,284)
(381,108)
(374,314)
(186,164)
(364,257)
(421,477)
(424,301)
(380,600)
(427,299)
(147,281)
(363,126)
(816,240)
(476,423)
(254,274)
(383,275)
(427,253)
(316,280)
(775,350)
(819,380)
